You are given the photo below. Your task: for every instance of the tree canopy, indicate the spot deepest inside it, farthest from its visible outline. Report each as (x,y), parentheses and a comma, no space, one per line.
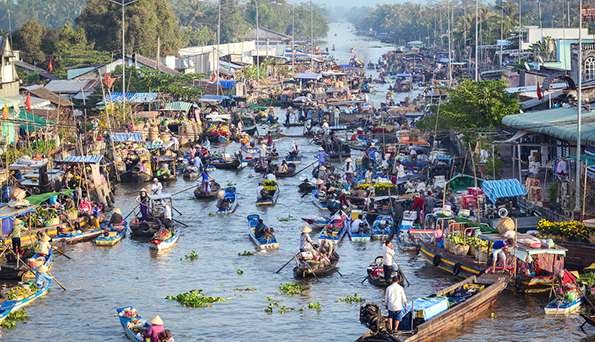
(473,107)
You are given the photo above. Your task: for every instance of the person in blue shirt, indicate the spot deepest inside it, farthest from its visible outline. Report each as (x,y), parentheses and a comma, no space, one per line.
(498,251)
(322,156)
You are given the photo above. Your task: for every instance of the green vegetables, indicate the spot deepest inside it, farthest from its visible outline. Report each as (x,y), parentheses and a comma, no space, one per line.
(195,299)
(190,256)
(246,253)
(10,322)
(355,299)
(292,289)
(588,279)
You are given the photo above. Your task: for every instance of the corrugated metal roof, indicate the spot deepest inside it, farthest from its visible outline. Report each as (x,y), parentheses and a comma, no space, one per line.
(502,188)
(81,159)
(133,97)
(559,123)
(178,106)
(67,86)
(127,137)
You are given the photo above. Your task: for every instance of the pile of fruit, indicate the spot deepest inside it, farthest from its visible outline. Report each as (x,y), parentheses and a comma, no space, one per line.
(21,291)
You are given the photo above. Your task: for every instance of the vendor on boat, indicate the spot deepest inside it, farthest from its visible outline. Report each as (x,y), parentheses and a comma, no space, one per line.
(396,303)
(306,243)
(357,226)
(43,246)
(204,184)
(155,330)
(387,260)
(283,168)
(295,151)
(116,220)
(157,187)
(499,252)
(15,236)
(143,202)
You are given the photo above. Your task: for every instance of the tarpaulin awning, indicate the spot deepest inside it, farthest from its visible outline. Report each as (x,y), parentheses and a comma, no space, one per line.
(213,98)
(31,122)
(131,97)
(308,76)
(559,123)
(178,106)
(40,198)
(10,102)
(502,188)
(126,137)
(81,159)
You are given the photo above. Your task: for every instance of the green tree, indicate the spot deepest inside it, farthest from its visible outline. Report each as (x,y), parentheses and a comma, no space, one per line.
(71,49)
(28,39)
(473,107)
(178,86)
(146,21)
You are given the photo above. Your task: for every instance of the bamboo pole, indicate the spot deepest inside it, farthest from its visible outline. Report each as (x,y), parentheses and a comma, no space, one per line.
(584,193)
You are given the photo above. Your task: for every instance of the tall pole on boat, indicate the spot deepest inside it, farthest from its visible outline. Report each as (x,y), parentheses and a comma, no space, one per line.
(257,40)
(217,61)
(577,195)
(476,40)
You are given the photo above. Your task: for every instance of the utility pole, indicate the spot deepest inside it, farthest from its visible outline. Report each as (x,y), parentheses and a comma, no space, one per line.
(449,46)
(218,44)
(476,40)
(577,195)
(292,37)
(257,49)
(311,37)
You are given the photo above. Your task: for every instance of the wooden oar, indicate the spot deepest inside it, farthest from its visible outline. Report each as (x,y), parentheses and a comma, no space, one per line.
(180,222)
(366,278)
(339,272)
(287,263)
(179,192)
(62,253)
(131,211)
(177,211)
(297,173)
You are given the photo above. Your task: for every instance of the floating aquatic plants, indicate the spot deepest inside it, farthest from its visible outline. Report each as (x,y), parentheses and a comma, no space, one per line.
(316,306)
(195,299)
(246,253)
(190,256)
(354,299)
(245,289)
(10,322)
(292,289)
(239,271)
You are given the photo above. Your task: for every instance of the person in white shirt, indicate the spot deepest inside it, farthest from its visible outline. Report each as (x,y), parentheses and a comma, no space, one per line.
(395,303)
(157,187)
(399,169)
(387,260)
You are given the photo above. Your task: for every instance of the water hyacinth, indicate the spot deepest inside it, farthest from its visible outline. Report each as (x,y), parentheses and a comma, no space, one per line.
(10,322)
(191,256)
(195,299)
(354,299)
(292,289)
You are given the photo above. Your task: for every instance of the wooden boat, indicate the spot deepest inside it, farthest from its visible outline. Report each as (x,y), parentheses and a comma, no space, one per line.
(331,234)
(293,158)
(222,164)
(232,201)
(361,236)
(261,243)
(77,236)
(145,229)
(135,177)
(132,323)
(190,173)
(315,271)
(201,195)
(9,306)
(456,265)
(446,310)
(112,238)
(160,245)
(290,171)
(6,308)
(563,306)
(380,233)
(324,204)
(375,273)
(272,189)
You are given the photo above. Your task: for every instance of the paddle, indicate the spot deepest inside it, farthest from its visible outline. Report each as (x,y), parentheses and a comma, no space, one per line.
(133,209)
(339,273)
(62,253)
(295,174)
(176,210)
(287,263)
(179,192)
(366,278)
(180,222)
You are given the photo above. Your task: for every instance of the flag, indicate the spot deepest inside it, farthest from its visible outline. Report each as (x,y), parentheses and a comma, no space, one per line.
(539,92)
(28,102)
(5,112)
(108,80)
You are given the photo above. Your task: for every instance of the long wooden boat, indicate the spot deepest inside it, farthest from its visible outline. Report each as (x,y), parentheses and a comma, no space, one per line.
(230,196)
(380,233)
(262,243)
(301,272)
(201,195)
(453,264)
(328,234)
(222,164)
(111,239)
(144,229)
(579,254)
(448,309)
(563,306)
(160,245)
(375,273)
(10,306)
(328,204)
(132,323)
(77,236)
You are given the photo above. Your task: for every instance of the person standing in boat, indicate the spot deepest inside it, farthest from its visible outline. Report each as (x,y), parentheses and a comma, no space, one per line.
(157,187)
(306,243)
(15,236)
(154,332)
(143,203)
(396,302)
(204,185)
(387,260)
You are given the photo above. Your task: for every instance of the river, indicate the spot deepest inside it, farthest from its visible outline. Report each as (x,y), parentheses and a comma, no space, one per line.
(98,280)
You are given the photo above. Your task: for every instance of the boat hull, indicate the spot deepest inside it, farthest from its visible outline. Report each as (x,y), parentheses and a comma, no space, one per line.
(165,244)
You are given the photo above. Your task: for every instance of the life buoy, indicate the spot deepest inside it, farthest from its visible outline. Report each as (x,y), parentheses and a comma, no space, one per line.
(437,259)
(456,269)
(503,212)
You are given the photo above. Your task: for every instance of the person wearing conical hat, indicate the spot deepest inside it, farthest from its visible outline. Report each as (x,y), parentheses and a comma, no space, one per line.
(116,219)
(306,243)
(155,330)
(44,246)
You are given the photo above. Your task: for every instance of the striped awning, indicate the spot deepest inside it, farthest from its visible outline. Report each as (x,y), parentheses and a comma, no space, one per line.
(126,137)
(502,188)
(178,106)
(81,159)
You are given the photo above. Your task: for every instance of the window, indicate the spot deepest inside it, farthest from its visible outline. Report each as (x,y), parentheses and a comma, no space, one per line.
(590,68)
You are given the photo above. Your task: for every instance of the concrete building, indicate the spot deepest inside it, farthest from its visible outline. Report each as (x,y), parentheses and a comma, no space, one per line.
(9,79)
(204,59)
(534,34)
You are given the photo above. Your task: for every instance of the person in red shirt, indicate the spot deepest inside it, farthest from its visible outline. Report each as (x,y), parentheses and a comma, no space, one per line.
(418,205)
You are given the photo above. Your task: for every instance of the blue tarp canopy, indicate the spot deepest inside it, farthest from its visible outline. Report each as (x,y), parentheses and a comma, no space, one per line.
(227,84)
(213,98)
(308,76)
(127,137)
(132,97)
(81,159)
(502,188)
